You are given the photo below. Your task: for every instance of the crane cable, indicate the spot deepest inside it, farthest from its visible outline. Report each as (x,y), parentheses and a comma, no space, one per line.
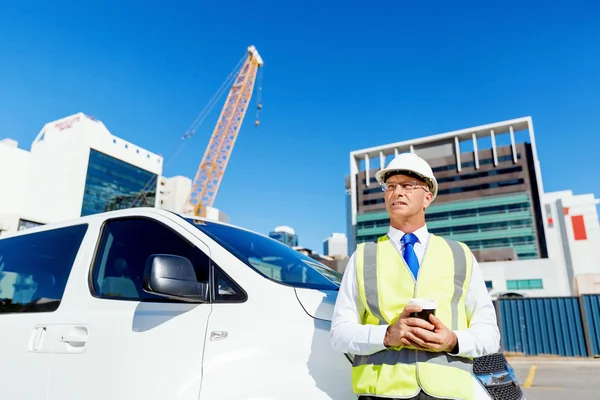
(227,83)
(216,97)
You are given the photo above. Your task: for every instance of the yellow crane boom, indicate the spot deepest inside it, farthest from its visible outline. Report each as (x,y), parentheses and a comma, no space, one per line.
(218,152)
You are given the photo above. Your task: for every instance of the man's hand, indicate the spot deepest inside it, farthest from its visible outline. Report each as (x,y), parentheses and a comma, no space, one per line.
(441,339)
(404,331)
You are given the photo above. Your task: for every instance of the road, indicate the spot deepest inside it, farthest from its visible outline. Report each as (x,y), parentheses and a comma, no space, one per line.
(557,380)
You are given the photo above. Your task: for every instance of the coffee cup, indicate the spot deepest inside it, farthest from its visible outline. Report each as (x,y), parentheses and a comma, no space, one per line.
(428,307)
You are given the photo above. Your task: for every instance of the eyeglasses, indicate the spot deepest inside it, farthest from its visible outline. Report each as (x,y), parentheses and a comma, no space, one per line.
(407,187)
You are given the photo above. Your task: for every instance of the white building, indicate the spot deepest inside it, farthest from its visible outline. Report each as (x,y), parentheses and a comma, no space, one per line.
(76,167)
(336,245)
(173,194)
(573,263)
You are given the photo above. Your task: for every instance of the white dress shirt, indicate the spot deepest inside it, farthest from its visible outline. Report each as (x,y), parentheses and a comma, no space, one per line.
(349,335)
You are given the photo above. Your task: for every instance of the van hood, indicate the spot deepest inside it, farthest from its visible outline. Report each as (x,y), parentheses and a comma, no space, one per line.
(318,304)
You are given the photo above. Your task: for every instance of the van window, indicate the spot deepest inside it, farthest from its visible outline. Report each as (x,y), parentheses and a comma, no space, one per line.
(226,290)
(35,268)
(271,258)
(126,245)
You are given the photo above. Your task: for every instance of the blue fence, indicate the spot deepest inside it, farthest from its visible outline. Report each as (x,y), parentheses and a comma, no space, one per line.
(591,305)
(550,326)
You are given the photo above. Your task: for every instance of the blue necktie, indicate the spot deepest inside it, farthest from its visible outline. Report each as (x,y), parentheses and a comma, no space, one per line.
(410,256)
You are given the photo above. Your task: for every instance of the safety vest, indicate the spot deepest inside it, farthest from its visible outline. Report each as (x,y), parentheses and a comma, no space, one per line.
(386,285)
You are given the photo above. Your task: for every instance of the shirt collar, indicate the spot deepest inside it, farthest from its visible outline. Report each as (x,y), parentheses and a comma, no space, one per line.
(422,234)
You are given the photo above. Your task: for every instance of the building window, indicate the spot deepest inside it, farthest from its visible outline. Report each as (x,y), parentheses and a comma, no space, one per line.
(471,164)
(524,284)
(112,184)
(483,186)
(373,201)
(371,191)
(480,174)
(489,284)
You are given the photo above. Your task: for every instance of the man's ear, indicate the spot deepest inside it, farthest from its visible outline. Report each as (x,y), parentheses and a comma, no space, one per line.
(427,200)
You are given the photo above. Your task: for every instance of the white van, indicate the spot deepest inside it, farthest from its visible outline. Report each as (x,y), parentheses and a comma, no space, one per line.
(146,304)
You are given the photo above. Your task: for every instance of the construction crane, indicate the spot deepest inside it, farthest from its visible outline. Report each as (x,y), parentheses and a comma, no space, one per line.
(218,152)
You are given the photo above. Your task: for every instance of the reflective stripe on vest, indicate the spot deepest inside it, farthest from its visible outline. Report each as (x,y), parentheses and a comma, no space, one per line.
(385,285)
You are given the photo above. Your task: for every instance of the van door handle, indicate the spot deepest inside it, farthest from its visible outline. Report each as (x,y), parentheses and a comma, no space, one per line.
(218,335)
(76,337)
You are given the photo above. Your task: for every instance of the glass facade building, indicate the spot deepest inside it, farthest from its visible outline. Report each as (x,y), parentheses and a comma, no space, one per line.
(493,222)
(112,184)
(285,237)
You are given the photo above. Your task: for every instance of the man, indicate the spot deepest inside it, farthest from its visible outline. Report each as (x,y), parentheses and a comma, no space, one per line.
(397,354)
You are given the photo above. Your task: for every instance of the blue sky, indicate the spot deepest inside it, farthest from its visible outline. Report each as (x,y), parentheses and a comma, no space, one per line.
(338,76)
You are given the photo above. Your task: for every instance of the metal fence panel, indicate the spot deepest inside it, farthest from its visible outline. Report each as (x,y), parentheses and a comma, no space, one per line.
(591,304)
(552,325)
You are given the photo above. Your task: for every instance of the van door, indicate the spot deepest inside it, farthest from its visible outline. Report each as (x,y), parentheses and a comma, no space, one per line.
(34,270)
(117,341)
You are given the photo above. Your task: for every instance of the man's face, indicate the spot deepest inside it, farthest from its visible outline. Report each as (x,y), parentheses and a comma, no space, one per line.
(406,196)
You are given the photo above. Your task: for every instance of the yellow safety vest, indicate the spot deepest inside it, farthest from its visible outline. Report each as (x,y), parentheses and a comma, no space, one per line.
(386,285)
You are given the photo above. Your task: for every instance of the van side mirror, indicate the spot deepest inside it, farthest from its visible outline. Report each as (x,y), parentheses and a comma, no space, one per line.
(173,277)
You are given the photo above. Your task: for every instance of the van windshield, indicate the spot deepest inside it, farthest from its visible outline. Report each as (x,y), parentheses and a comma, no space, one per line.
(271,258)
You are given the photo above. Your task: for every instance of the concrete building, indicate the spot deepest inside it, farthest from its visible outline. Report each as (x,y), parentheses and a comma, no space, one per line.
(573,264)
(490,197)
(173,194)
(336,245)
(285,234)
(337,263)
(76,167)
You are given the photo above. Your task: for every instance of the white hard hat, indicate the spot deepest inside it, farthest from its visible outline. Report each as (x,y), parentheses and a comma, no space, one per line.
(410,164)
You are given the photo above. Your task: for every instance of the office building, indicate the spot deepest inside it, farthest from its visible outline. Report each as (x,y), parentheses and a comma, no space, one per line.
(285,235)
(337,263)
(336,245)
(76,167)
(489,196)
